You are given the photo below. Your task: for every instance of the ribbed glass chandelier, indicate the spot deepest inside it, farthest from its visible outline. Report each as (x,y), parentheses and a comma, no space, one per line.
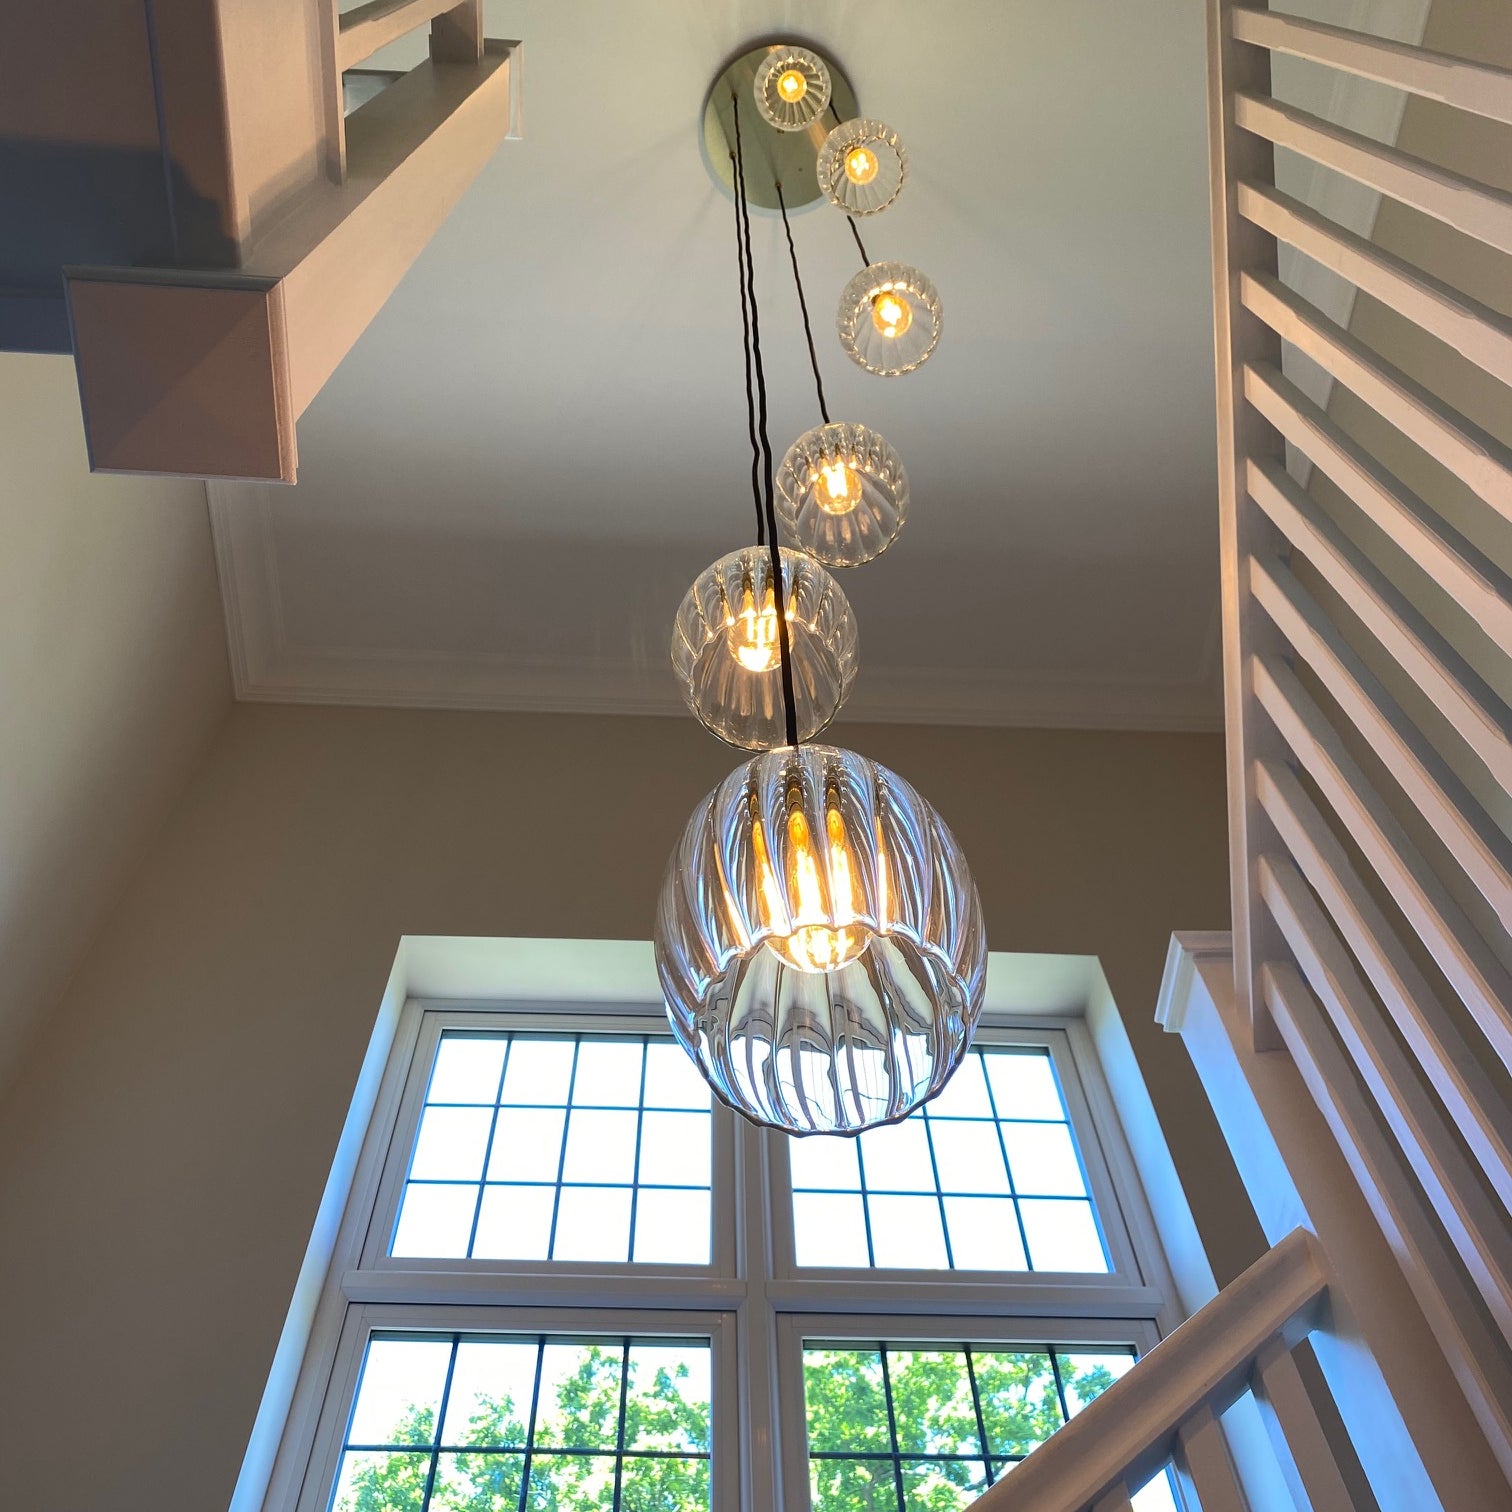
(820,942)
(889,319)
(862,166)
(818,937)
(726,655)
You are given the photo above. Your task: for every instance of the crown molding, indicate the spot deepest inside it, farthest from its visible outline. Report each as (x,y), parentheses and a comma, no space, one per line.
(267,668)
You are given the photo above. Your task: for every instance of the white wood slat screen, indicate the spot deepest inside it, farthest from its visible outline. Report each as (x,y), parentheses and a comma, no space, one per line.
(1368,659)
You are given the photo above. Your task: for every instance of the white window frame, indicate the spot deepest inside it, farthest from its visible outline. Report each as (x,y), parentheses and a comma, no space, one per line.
(751,1302)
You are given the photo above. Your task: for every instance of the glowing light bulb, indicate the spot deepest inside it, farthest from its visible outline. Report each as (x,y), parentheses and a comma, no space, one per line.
(752,634)
(808,945)
(891,315)
(861,165)
(837,488)
(791,85)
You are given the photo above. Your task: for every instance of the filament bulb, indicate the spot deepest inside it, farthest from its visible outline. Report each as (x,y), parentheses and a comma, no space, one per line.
(891,315)
(861,165)
(822,934)
(752,633)
(791,85)
(837,488)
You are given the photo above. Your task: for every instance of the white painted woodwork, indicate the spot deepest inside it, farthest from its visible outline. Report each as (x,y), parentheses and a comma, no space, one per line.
(1471,709)
(1458,568)
(1127,1434)
(234,359)
(1478,211)
(362,30)
(1203,1467)
(1457,949)
(1437,1284)
(1474,330)
(1455,81)
(1117,1500)
(1419,770)
(1474,456)
(1312,1475)
(1389,1351)
(1240,339)
(1476,1227)
(1474,1104)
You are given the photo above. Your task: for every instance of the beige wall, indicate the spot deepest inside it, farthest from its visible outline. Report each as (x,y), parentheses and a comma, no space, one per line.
(162,1157)
(112,678)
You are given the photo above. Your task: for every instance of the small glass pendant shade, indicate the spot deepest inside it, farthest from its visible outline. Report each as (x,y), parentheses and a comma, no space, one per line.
(792,88)
(842,494)
(889,319)
(726,655)
(862,166)
(820,943)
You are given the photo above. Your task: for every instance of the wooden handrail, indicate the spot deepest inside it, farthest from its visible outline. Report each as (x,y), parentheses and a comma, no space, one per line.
(1467,85)
(1127,1434)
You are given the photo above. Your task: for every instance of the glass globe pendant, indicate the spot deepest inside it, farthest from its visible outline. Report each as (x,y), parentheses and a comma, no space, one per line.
(862,166)
(889,319)
(820,943)
(792,88)
(842,494)
(726,655)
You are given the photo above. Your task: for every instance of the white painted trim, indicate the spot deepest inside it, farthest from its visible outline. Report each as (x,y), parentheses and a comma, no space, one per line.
(336,1299)
(1373,110)
(267,667)
(1418,1445)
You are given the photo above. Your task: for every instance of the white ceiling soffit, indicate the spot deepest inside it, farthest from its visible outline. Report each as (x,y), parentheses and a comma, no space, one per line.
(509,483)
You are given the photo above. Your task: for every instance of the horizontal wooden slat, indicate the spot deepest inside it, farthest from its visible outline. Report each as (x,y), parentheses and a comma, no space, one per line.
(1477,332)
(1430,786)
(1471,579)
(1475,87)
(1416,1243)
(1475,1225)
(1203,1465)
(1483,985)
(1471,709)
(1474,456)
(366,28)
(1474,1103)
(1126,1435)
(1475,209)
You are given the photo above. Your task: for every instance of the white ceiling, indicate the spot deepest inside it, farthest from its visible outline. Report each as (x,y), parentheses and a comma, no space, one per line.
(509,483)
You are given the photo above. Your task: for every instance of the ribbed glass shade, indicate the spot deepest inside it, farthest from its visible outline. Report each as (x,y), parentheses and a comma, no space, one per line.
(842,494)
(792,88)
(820,943)
(725,652)
(862,166)
(889,318)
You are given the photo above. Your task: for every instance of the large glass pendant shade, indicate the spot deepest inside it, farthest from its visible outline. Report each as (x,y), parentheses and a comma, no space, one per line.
(820,943)
(726,653)
(842,494)
(862,166)
(792,88)
(889,319)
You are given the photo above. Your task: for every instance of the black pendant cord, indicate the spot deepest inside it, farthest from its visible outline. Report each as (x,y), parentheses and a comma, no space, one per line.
(808,330)
(736,174)
(784,649)
(851,219)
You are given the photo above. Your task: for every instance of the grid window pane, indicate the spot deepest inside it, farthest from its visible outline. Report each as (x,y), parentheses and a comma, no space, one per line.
(539,1147)
(987,1177)
(558,1422)
(931,1427)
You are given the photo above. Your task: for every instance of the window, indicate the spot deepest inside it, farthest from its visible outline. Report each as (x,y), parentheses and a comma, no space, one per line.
(555,1240)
